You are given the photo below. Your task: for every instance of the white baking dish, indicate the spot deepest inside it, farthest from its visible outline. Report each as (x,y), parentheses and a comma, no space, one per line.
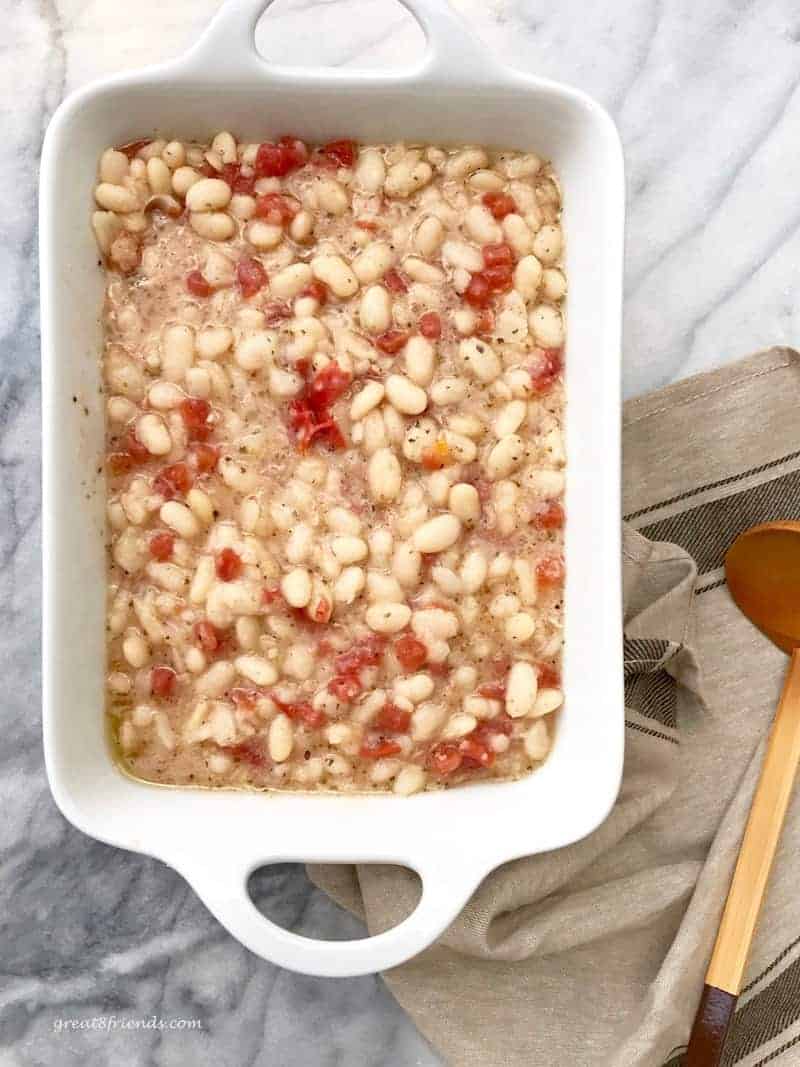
(453,839)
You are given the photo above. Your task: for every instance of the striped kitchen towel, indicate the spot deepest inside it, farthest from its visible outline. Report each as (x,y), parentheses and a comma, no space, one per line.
(595,954)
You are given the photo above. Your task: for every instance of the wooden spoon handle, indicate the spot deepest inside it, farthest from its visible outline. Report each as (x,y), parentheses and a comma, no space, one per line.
(757,851)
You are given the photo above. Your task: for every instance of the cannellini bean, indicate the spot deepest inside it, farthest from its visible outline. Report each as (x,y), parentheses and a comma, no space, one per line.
(406,565)
(479,359)
(427,720)
(552,443)
(414,687)
(164,395)
(224,144)
(435,623)
(256,669)
(404,395)
(420,271)
(159,177)
(528,277)
(506,456)
(107,226)
(342,521)
(547,326)
(135,650)
(348,585)
(213,341)
(216,680)
(420,357)
(213,225)
(465,678)
(459,725)
(547,701)
(280,740)
(298,547)
(387,618)
(464,502)
(481,225)
(428,235)
(371,264)
(209,194)
(465,162)
(180,519)
(520,627)
(116,198)
(348,549)
(375,309)
(365,400)
(547,244)
(200,505)
(331,197)
(247,632)
(526,581)
(263,235)
(544,484)
(183,178)
(384,475)
(474,571)
(437,534)
(203,580)
(537,741)
(114,166)
(174,154)
(407,176)
(510,418)
(288,282)
(299,662)
(383,587)
(256,350)
(447,580)
(177,352)
(335,273)
(461,255)
(410,780)
(370,172)
(521,689)
(486,181)
(554,284)
(301,227)
(448,391)
(152,432)
(296,587)
(521,166)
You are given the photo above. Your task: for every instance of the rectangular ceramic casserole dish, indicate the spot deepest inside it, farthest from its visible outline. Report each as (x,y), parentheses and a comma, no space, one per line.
(452,839)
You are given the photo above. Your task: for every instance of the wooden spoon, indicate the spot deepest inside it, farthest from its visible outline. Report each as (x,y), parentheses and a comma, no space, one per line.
(763,572)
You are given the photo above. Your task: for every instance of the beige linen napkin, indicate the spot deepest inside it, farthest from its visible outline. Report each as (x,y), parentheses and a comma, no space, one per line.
(595,954)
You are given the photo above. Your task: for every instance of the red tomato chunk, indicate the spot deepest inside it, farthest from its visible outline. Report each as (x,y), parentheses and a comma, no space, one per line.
(276,209)
(161,545)
(197,284)
(195,413)
(207,635)
(162,681)
(550,516)
(368,652)
(410,652)
(173,481)
(379,748)
(317,291)
(392,719)
(278,160)
(203,457)
(546,370)
(250,275)
(250,751)
(550,570)
(444,758)
(340,153)
(395,282)
(229,565)
(391,341)
(430,325)
(500,204)
(345,687)
(478,293)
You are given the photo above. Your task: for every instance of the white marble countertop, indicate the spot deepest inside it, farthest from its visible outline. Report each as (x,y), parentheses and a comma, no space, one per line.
(706,99)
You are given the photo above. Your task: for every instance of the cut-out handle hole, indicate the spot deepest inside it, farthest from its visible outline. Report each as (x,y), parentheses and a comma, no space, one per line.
(362,34)
(283,893)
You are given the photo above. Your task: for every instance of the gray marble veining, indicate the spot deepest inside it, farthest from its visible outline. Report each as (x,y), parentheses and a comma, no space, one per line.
(707,100)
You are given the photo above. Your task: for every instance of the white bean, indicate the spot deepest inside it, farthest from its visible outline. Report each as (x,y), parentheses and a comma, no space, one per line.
(479,359)
(370,172)
(296,587)
(448,391)
(331,197)
(547,701)
(464,502)
(288,282)
(474,571)
(384,475)
(135,650)
(281,738)
(116,198)
(348,585)
(554,284)
(213,341)
(427,719)
(428,235)
(387,618)
(152,432)
(180,519)
(537,741)
(437,534)
(410,780)
(481,225)
(213,225)
(547,244)
(405,396)
(367,399)
(520,627)
(256,669)
(406,565)
(263,235)
(209,194)
(373,262)
(183,178)
(518,234)
(505,457)
(547,326)
(528,277)
(510,418)
(375,309)
(335,273)
(521,688)
(461,255)
(420,358)
(348,549)
(114,166)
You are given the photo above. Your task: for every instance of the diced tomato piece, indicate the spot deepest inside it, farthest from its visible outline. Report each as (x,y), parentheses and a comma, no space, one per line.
(245,698)
(229,565)
(317,290)
(410,652)
(271,594)
(277,160)
(395,282)
(391,341)
(120,462)
(500,204)
(547,368)
(277,312)
(499,279)
(303,366)
(496,255)
(250,275)
(492,690)
(478,294)
(173,481)
(207,635)
(162,681)
(367,652)
(135,448)
(276,209)
(320,611)
(195,412)
(367,224)
(197,284)
(239,182)
(475,753)
(438,455)
(161,545)
(203,457)
(345,687)
(294,150)
(340,153)
(549,678)
(250,751)
(500,724)
(132,148)
(395,720)
(444,758)
(379,748)
(207,170)
(327,386)
(485,322)
(430,325)
(550,516)
(303,712)
(550,570)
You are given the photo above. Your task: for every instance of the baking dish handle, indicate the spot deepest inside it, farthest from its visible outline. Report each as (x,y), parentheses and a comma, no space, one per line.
(223,890)
(452,55)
